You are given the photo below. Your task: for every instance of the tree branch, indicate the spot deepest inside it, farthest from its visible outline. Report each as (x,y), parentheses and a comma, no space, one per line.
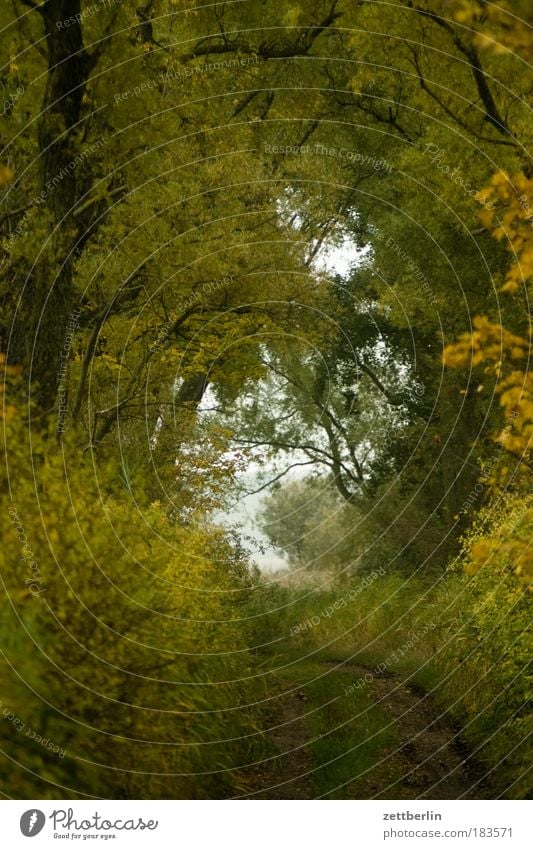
(273,480)
(470,53)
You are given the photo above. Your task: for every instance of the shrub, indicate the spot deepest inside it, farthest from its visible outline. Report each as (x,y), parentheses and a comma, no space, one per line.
(125,661)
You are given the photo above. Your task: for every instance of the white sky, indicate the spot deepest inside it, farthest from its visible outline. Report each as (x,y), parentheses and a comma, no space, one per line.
(337,260)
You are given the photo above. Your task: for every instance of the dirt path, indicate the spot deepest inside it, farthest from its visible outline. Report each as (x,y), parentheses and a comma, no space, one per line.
(287,772)
(431,761)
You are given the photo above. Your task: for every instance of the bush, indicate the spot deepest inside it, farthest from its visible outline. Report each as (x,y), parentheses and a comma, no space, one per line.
(462,638)
(484,660)
(125,661)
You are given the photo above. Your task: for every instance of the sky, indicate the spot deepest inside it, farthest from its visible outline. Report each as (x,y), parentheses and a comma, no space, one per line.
(337,260)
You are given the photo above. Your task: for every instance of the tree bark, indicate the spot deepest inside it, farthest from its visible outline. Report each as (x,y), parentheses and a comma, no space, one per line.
(48,297)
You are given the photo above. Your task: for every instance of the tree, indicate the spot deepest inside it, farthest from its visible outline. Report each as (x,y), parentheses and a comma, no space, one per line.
(428,266)
(308,521)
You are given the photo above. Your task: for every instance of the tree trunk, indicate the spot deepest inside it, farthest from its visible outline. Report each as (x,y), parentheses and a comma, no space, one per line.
(48,297)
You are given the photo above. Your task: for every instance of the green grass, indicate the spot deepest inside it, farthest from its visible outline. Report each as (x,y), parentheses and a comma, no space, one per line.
(465,640)
(349,733)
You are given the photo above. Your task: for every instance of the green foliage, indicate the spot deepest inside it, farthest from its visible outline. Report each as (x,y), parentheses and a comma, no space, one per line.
(465,640)
(485,661)
(121,635)
(172,178)
(310,523)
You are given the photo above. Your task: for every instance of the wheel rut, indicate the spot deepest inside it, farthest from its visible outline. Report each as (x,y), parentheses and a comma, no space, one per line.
(431,760)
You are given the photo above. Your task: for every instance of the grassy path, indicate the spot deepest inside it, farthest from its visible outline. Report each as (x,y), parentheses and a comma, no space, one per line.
(332,733)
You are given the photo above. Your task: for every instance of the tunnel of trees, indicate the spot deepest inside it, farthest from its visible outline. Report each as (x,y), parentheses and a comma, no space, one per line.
(292,237)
